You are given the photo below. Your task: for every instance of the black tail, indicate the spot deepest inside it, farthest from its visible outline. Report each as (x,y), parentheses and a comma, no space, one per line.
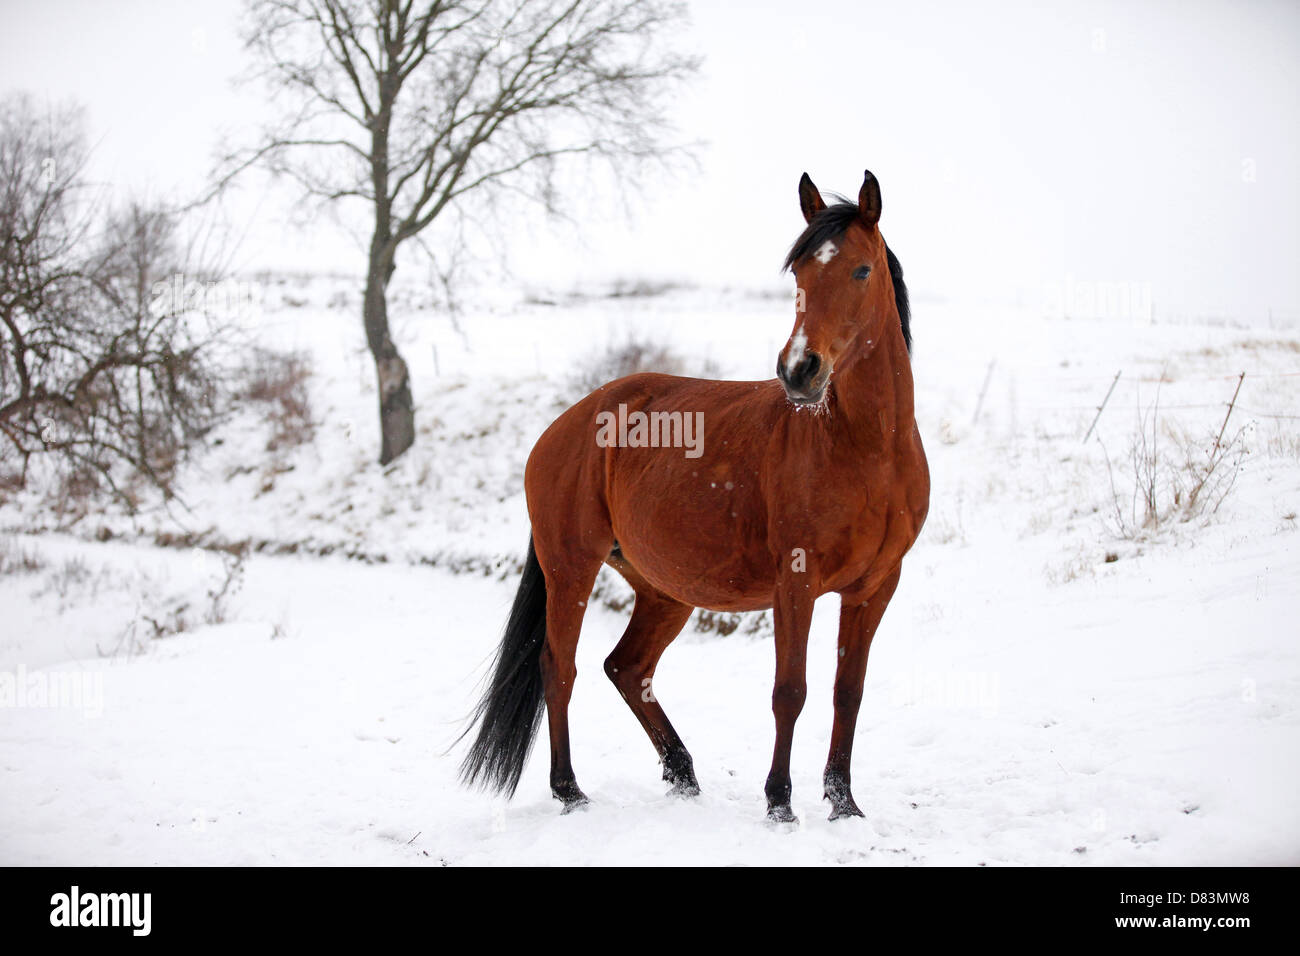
(511,709)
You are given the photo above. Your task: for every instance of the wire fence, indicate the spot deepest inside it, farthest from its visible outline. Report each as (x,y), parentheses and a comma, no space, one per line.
(1158,383)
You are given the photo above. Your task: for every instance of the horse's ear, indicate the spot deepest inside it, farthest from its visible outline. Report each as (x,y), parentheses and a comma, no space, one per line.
(810,200)
(869,199)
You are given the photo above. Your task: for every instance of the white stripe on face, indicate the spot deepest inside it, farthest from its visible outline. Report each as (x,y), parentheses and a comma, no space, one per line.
(797,346)
(827,252)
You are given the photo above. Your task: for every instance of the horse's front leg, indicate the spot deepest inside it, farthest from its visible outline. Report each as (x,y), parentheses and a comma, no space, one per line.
(792,615)
(859,617)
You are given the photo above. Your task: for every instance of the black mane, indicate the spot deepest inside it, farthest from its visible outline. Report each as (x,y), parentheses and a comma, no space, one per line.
(829,225)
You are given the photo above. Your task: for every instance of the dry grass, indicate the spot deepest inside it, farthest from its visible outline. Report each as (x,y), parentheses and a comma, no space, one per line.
(1076,567)
(277,381)
(1283,443)
(721,623)
(1172,475)
(15,559)
(68,577)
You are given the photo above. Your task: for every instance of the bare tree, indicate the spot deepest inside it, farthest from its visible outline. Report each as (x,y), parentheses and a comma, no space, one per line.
(100,364)
(411,106)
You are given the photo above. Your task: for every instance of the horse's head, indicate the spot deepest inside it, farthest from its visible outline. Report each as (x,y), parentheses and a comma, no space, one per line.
(845,292)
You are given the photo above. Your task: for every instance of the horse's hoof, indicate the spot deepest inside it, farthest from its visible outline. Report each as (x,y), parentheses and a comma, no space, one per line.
(845,809)
(781,813)
(575,803)
(570,796)
(684,788)
(680,773)
(841,798)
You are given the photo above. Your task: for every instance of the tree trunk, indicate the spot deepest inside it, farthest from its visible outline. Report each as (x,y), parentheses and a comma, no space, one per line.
(396,409)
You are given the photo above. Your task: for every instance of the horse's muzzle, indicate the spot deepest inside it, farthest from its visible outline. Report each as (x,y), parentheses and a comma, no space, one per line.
(805,383)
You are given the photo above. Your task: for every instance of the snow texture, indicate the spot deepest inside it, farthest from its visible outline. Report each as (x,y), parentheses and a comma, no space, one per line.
(1043,690)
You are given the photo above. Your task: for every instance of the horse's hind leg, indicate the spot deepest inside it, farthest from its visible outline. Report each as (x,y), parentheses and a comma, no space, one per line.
(656,620)
(568,588)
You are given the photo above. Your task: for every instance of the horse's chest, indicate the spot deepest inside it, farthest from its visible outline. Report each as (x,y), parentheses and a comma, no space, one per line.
(852,526)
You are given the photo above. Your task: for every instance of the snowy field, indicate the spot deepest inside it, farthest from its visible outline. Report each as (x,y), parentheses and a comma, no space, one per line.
(1053,683)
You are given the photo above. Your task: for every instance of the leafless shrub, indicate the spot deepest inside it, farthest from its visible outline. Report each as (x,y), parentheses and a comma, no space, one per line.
(1173,476)
(278,381)
(173,619)
(165,619)
(10,482)
(68,576)
(73,581)
(102,372)
(15,559)
(158,617)
(1207,472)
(716,622)
(723,623)
(612,592)
(231,582)
(634,354)
(641,288)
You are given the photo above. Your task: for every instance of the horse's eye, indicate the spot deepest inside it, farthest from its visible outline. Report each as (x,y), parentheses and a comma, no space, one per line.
(861,272)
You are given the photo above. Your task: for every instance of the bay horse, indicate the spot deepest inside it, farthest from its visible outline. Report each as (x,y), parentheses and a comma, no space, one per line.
(812,482)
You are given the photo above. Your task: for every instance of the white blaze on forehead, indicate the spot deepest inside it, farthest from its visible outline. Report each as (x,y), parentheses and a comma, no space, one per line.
(827,252)
(797,346)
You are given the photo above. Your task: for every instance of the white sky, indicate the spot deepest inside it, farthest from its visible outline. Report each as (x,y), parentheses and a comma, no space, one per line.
(1017,144)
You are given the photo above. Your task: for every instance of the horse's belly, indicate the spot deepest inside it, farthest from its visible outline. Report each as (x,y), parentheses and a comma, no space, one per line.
(703,580)
(699,550)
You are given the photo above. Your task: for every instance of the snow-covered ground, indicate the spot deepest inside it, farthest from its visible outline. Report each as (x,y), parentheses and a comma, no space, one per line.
(1050,685)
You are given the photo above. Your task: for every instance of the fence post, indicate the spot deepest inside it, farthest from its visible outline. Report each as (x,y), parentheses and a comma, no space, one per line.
(1231,405)
(980,404)
(1100,408)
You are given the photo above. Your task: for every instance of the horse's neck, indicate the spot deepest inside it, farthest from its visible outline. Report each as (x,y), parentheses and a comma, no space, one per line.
(874,388)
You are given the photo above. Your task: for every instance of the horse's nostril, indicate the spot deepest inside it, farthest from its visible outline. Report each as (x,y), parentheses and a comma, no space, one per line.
(803,373)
